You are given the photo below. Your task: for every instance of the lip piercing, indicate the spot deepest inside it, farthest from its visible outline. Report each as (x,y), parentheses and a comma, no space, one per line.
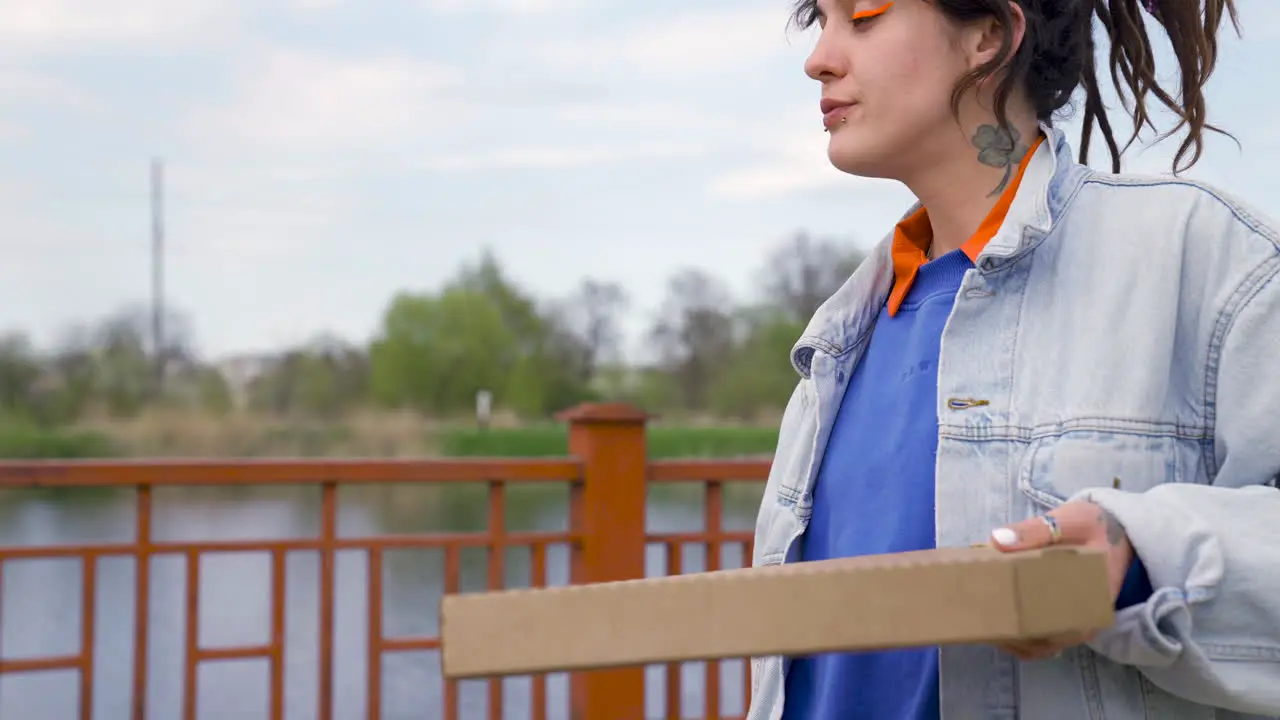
(842,121)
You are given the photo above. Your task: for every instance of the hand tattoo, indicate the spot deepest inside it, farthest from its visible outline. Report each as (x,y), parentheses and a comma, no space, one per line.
(1115,531)
(999,148)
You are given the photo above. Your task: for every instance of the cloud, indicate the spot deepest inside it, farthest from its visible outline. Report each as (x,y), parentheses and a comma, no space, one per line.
(311,6)
(1259,20)
(306,99)
(60,24)
(504,6)
(560,157)
(774,180)
(241,210)
(796,162)
(693,42)
(27,88)
(23,94)
(710,40)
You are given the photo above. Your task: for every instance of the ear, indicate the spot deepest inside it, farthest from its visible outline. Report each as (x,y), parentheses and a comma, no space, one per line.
(988,34)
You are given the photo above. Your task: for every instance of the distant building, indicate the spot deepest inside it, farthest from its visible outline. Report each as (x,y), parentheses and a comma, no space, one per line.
(240,371)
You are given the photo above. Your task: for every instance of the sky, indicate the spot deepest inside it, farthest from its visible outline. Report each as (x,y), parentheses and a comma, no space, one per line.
(322,155)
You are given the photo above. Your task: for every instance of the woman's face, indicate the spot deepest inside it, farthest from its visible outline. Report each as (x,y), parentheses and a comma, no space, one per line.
(887,70)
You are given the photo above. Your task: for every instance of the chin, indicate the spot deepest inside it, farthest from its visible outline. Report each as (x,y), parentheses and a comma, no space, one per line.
(864,159)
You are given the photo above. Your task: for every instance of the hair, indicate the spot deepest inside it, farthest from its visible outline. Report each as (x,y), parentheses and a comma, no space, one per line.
(1057,54)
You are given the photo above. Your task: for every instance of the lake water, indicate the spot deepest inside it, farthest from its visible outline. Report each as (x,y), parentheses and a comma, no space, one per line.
(40,599)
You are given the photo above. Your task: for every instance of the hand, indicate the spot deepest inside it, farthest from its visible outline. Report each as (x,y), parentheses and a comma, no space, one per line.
(1082,524)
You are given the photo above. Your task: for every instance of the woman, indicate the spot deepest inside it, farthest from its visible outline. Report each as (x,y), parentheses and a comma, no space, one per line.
(1038,353)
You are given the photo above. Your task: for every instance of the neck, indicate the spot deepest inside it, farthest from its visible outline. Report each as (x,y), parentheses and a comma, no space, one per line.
(959,187)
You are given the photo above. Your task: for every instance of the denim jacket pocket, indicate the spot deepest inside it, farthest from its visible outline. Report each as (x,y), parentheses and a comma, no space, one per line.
(1056,467)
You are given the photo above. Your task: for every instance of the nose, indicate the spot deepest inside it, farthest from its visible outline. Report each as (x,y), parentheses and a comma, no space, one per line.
(826,63)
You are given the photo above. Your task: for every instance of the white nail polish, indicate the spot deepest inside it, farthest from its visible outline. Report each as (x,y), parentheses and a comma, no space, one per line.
(1004,536)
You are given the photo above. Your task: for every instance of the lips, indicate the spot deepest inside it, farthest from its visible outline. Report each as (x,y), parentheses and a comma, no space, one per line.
(834,111)
(829,104)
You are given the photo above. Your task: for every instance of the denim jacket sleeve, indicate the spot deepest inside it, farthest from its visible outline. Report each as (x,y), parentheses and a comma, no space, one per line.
(1211,630)
(766,545)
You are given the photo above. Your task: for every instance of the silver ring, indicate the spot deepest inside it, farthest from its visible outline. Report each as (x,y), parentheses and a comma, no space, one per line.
(1055,530)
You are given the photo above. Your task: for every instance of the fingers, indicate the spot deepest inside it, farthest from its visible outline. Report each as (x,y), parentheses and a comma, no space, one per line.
(1031,650)
(1043,649)
(1026,535)
(1077,523)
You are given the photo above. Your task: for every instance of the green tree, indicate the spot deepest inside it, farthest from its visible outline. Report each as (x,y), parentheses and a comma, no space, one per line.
(434,353)
(798,276)
(757,376)
(544,366)
(124,369)
(326,377)
(694,335)
(801,272)
(213,393)
(592,320)
(20,371)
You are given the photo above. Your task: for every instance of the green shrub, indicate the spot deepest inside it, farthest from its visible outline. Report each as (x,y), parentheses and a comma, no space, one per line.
(28,442)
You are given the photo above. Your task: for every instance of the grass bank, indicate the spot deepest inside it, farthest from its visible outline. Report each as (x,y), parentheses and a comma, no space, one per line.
(188,435)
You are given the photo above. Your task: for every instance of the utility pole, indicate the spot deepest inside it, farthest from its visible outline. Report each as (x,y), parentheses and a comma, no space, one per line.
(157,274)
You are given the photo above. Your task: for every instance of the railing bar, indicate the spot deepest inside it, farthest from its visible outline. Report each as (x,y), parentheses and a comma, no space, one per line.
(279,599)
(497,558)
(24,474)
(748,554)
(409,644)
(328,533)
(88,602)
(747,470)
(2,661)
(190,690)
(141,599)
(202,655)
(434,541)
(44,664)
(577,573)
(375,640)
(577,523)
(452,575)
(538,578)
(713,521)
(700,537)
(674,684)
(538,564)
(713,506)
(255,652)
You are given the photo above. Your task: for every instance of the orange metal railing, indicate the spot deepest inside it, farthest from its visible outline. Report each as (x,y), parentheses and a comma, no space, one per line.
(608,476)
(715,538)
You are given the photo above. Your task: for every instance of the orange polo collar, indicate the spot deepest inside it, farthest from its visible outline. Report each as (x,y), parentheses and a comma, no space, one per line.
(912,236)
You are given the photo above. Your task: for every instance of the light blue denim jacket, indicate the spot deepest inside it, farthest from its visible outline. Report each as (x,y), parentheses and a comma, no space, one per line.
(1117,330)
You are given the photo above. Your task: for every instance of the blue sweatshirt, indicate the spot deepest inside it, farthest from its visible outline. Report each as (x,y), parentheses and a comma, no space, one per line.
(874,494)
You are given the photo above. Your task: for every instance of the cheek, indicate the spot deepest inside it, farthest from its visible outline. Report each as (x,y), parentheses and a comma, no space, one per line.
(919,87)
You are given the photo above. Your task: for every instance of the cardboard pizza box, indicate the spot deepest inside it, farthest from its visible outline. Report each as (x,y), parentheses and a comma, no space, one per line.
(926,598)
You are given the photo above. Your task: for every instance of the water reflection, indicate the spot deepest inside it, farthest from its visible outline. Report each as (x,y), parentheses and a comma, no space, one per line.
(40,601)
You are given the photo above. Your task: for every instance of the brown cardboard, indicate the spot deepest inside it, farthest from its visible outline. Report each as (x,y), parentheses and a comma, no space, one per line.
(934,597)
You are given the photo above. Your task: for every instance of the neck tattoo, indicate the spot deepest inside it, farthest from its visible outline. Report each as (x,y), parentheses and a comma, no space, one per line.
(999,148)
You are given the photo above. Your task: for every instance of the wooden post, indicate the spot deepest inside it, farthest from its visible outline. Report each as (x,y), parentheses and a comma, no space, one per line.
(608,514)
